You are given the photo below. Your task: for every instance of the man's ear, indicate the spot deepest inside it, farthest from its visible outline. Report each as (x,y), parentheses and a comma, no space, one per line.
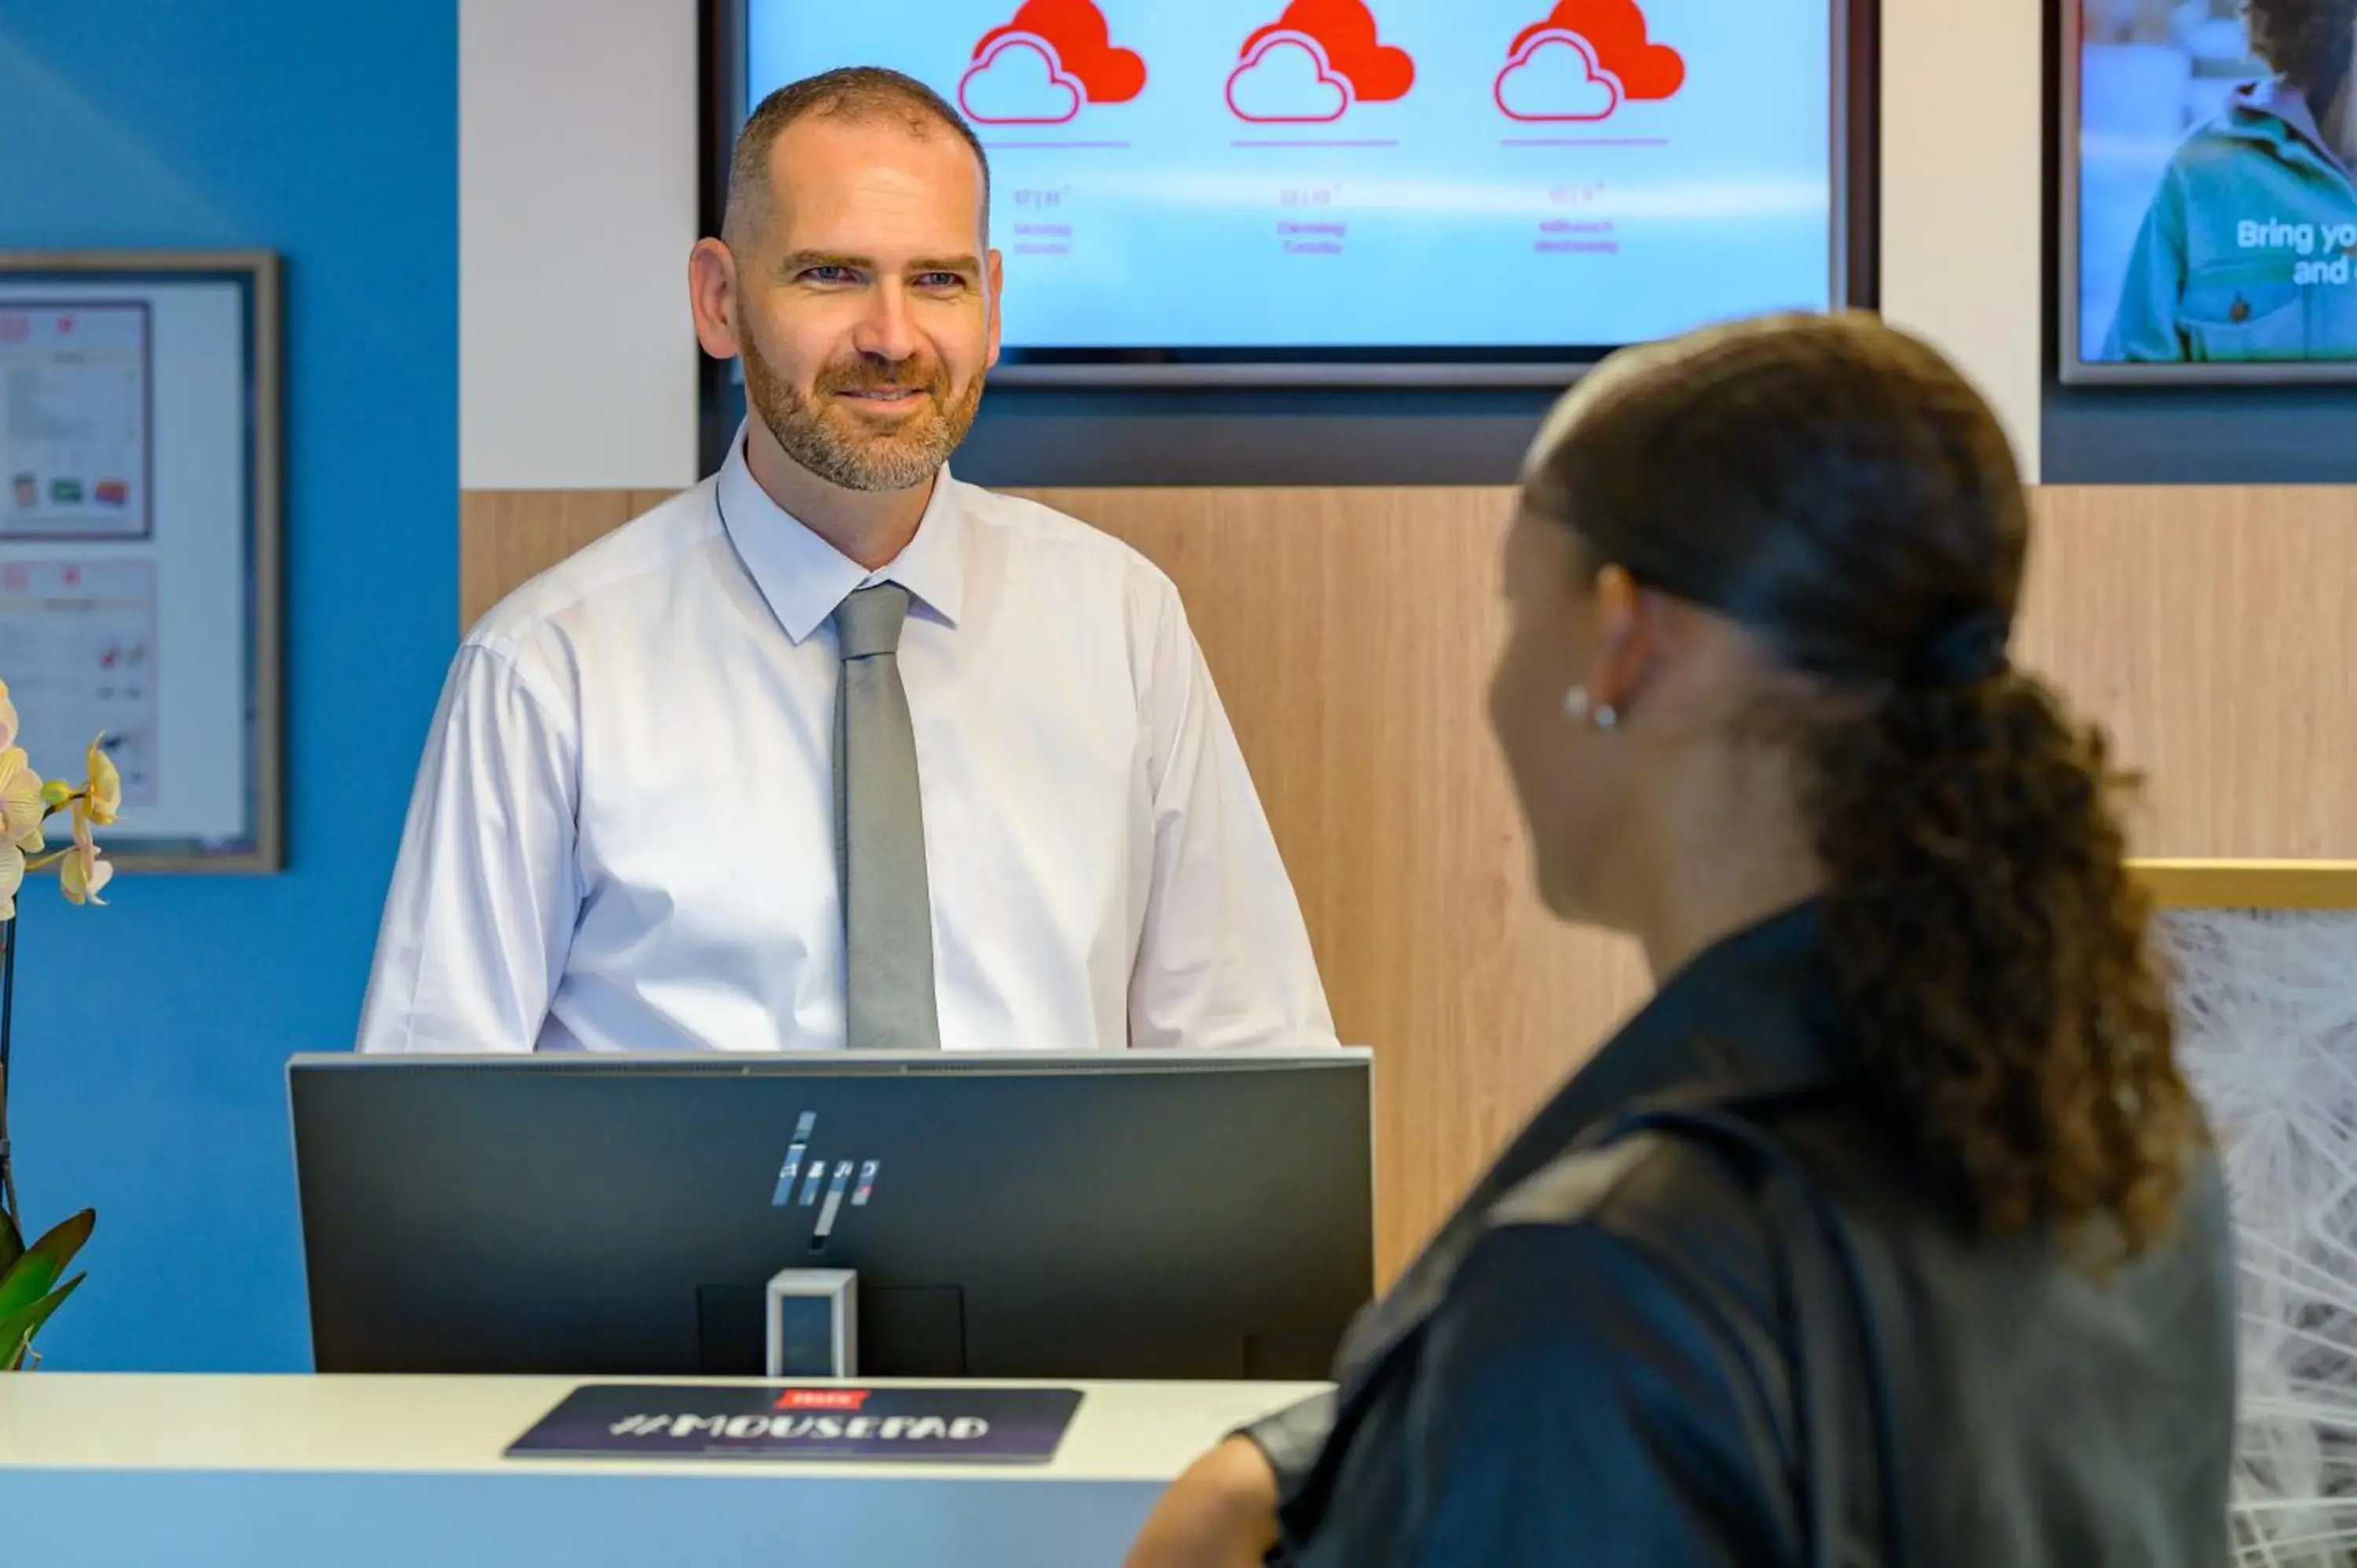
(713,298)
(995,277)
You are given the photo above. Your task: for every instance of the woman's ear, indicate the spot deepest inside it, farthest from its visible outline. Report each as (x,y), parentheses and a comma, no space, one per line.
(1626,638)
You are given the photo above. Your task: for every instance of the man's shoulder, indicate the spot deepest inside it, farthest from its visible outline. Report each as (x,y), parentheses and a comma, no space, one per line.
(611,570)
(1035,533)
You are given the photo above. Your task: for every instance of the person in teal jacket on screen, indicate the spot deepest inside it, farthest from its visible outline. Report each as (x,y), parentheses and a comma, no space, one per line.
(2249,250)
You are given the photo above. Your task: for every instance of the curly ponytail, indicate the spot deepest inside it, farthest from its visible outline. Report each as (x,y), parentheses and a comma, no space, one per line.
(1836,488)
(1988,947)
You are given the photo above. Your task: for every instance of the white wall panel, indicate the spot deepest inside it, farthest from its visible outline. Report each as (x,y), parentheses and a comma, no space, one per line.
(1962,186)
(578,203)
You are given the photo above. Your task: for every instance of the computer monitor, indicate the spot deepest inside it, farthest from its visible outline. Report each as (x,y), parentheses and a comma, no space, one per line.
(1180,1215)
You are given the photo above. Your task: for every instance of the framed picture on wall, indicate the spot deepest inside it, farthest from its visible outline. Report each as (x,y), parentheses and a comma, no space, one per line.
(2207,229)
(140,540)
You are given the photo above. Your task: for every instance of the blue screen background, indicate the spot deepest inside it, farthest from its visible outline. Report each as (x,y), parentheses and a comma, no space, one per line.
(1430,220)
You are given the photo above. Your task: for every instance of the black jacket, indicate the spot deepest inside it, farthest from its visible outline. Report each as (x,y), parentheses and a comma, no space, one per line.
(1592,1364)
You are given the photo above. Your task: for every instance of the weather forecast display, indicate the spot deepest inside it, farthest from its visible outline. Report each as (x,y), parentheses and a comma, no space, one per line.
(1370,174)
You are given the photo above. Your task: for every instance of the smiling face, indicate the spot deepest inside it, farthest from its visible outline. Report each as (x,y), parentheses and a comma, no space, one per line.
(868,299)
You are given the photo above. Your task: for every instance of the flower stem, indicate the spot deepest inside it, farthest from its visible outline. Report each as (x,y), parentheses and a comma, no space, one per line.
(9,929)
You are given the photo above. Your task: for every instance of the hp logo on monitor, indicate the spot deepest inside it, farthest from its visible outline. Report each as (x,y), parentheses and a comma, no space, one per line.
(813,1176)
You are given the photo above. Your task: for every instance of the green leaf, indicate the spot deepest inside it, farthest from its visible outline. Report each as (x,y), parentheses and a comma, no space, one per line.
(29,1279)
(12,1244)
(16,1330)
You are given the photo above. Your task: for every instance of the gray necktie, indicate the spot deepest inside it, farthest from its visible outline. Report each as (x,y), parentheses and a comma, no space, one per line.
(879,834)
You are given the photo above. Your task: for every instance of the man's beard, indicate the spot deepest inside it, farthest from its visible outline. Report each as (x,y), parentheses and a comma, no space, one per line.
(829,436)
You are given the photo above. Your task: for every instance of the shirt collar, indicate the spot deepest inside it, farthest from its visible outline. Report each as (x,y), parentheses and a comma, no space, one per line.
(804,578)
(2281,111)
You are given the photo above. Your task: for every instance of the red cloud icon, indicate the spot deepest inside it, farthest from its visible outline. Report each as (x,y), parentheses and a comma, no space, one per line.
(1614,31)
(1374,72)
(1079,45)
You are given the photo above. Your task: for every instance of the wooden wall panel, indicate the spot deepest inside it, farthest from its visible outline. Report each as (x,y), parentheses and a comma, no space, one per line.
(505,537)
(2214,632)
(1351,631)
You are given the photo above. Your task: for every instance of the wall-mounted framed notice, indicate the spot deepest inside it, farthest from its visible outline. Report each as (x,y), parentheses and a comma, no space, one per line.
(139,540)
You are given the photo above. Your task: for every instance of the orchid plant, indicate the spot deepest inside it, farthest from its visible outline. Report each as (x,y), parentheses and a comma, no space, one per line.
(29,1291)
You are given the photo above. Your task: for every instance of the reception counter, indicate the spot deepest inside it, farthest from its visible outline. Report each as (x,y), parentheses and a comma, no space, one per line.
(289,1472)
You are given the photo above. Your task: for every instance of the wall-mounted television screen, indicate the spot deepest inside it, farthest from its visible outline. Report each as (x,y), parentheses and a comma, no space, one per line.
(2208,214)
(1437,190)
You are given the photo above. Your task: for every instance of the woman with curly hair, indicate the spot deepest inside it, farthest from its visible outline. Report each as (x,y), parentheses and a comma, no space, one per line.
(2246,201)
(1887,1233)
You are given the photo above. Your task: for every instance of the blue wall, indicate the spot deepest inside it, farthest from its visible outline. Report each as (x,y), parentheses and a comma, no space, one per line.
(151,1033)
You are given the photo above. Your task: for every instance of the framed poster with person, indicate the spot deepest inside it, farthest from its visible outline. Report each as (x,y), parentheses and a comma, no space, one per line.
(139,540)
(2208,182)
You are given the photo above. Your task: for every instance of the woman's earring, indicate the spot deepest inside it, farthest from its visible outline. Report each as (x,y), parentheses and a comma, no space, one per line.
(1576,707)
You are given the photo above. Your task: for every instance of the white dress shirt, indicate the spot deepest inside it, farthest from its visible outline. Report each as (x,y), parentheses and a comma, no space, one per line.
(622,836)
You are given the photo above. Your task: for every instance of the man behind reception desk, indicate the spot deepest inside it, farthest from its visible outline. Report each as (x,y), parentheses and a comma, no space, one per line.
(833,749)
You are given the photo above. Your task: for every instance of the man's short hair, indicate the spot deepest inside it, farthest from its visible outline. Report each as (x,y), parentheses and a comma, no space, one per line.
(858,94)
(2306,42)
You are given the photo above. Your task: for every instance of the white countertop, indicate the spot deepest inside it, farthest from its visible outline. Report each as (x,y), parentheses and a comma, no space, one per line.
(1124,1431)
(297,1471)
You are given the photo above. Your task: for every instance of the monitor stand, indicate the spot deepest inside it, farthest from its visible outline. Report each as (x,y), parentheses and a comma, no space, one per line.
(909,1331)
